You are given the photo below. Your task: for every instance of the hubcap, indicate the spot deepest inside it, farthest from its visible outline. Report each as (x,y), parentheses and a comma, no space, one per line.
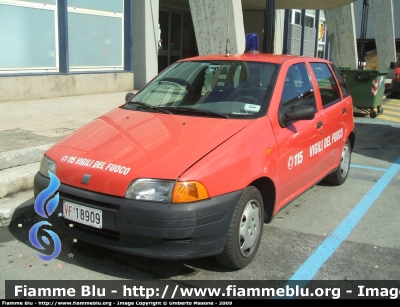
(249,228)
(345,162)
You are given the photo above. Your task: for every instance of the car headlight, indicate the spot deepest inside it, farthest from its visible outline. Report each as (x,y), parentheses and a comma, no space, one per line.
(166,190)
(150,189)
(47,165)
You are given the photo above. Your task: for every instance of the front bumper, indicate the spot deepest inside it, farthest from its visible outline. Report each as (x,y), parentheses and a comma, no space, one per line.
(152,229)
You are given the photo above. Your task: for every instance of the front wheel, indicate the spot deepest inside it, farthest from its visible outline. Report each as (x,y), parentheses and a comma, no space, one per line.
(245,231)
(339,176)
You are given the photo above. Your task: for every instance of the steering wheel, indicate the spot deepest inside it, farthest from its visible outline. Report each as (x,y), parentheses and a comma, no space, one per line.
(180,82)
(250,99)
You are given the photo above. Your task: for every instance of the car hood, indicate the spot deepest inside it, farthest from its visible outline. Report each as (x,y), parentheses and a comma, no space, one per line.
(123,145)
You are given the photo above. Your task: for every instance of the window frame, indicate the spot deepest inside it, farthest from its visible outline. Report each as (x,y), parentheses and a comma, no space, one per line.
(92,12)
(293,21)
(40,6)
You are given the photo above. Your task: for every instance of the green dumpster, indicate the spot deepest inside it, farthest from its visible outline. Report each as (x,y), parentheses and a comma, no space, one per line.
(366,89)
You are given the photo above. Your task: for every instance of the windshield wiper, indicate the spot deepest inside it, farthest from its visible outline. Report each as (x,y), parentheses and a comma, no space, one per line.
(149,107)
(195,111)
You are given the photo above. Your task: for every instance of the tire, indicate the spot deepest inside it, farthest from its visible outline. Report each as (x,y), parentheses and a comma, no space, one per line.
(245,231)
(339,176)
(372,113)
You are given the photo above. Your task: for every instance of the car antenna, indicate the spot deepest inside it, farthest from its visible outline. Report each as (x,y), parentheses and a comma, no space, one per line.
(227,53)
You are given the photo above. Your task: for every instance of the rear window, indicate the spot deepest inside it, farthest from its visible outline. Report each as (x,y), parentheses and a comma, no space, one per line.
(342,83)
(328,87)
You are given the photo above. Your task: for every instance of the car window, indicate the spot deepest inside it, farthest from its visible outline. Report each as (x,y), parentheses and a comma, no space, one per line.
(342,82)
(297,89)
(327,85)
(235,89)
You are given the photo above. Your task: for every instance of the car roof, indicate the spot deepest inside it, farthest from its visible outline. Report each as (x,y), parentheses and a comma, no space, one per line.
(254,57)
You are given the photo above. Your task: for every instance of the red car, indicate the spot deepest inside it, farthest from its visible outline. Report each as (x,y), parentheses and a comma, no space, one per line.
(210,149)
(396,77)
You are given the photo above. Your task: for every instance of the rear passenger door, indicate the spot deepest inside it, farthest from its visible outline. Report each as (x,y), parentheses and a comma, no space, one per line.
(335,112)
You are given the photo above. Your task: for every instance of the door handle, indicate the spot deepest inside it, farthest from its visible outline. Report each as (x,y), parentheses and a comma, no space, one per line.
(344,110)
(319,125)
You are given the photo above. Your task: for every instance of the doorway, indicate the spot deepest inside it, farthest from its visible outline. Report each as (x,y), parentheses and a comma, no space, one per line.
(177,38)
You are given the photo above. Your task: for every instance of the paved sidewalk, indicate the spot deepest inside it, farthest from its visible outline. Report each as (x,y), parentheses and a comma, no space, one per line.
(27,129)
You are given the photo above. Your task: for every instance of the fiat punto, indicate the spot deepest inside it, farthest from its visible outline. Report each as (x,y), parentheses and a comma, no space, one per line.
(195,162)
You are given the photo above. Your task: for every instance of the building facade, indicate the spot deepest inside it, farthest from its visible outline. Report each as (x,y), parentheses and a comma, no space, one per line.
(53,48)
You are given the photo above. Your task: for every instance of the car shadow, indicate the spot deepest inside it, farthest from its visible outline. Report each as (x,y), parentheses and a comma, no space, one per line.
(378,141)
(106,261)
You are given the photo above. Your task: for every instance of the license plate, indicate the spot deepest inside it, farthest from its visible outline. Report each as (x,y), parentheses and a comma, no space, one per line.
(82,214)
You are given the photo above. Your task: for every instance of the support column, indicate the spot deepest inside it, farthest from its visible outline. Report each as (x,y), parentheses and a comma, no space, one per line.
(215,22)
(269,27)
(145,40)
(279,31)
(342,35)
(63,36)
(383,22)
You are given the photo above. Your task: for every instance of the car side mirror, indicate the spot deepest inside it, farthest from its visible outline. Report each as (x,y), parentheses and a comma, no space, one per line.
(392,65)
(129,96)
(300,113)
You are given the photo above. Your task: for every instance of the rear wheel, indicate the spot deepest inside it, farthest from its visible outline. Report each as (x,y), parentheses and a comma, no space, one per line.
(339,176)
(245,231)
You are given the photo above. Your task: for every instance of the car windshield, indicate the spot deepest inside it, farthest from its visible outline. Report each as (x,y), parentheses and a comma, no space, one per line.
(226,89)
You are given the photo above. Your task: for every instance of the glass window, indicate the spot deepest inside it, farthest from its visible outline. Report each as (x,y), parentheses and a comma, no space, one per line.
(95,34)
(41,1)
(189,46)
(309,21)
(328,88)
(297,89)
(342,82)
(175,32)
(100,5)
(297,18)
(94,41)
(28,38)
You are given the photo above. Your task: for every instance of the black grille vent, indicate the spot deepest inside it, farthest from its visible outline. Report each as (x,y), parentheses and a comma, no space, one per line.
(86,178)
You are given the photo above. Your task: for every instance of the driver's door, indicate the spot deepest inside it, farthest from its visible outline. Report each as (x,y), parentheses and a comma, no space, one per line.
(300,142)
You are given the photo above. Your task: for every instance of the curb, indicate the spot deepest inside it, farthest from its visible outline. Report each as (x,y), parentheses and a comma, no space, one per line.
(23,156)
(17,179)
(16,207)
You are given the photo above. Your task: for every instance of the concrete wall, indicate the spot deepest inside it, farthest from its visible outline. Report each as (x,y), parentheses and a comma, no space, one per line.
(342,36)
(33,87)
(214,22)
(358,6)
(383,22)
